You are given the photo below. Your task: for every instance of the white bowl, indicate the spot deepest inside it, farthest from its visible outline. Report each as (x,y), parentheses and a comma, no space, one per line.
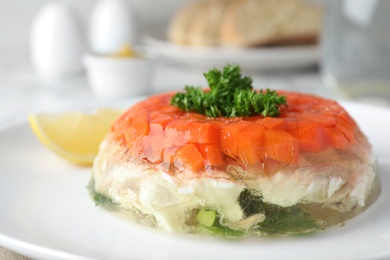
(112,77)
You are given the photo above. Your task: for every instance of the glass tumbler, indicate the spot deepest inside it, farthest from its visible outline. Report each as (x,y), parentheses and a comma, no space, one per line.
(356,48)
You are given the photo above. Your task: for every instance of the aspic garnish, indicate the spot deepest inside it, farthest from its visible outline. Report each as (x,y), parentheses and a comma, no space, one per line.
(230,95)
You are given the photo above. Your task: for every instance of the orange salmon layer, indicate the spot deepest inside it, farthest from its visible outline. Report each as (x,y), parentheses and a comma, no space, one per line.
(155,132)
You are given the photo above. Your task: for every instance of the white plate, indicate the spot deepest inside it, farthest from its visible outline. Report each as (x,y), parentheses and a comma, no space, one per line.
(250,59)
(46,212)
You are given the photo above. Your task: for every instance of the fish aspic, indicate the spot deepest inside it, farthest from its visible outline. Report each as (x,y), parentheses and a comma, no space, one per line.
(232,161)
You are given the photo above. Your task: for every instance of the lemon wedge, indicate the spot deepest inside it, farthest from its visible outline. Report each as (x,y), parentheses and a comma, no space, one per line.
(74,136)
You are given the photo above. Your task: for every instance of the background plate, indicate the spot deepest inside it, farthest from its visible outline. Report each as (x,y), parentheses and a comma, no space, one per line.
(46,212)
(249,59)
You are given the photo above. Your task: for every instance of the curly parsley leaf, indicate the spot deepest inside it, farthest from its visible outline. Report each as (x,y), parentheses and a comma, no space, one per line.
(230,95)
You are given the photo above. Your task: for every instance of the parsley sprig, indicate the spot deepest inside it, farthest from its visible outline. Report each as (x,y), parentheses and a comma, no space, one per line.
(230,95)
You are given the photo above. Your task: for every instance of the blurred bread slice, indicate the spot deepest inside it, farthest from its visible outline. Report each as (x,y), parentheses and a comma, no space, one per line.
(206,28)
(271,22)
(245,23)
(198,23)
(183,20)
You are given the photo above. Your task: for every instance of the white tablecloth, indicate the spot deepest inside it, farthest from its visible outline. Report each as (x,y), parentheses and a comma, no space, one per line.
(22,91)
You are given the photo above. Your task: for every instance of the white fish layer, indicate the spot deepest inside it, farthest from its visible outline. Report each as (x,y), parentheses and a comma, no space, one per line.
(340,185)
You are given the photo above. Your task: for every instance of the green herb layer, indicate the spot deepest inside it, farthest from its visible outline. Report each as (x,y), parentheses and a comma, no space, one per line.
(278,220)
(209,223)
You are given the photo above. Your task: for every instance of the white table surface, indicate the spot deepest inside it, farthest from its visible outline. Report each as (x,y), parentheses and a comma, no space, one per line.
(22,91)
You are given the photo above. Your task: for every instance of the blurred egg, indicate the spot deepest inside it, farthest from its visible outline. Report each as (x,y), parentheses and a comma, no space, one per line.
(57,42)
(112,26)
